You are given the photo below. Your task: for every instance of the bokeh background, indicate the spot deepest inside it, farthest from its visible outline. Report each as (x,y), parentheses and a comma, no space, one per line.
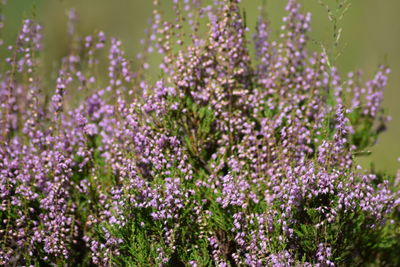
(370,36)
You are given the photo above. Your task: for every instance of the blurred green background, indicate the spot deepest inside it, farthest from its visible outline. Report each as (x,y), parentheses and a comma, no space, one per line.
(370,36)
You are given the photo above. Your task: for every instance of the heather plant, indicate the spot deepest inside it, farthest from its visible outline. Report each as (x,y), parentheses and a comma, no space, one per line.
(225,159)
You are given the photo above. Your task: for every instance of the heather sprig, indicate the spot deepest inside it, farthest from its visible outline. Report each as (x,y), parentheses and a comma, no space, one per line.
(226,159)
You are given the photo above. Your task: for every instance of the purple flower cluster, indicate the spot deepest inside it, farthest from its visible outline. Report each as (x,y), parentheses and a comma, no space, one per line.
(226,160)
